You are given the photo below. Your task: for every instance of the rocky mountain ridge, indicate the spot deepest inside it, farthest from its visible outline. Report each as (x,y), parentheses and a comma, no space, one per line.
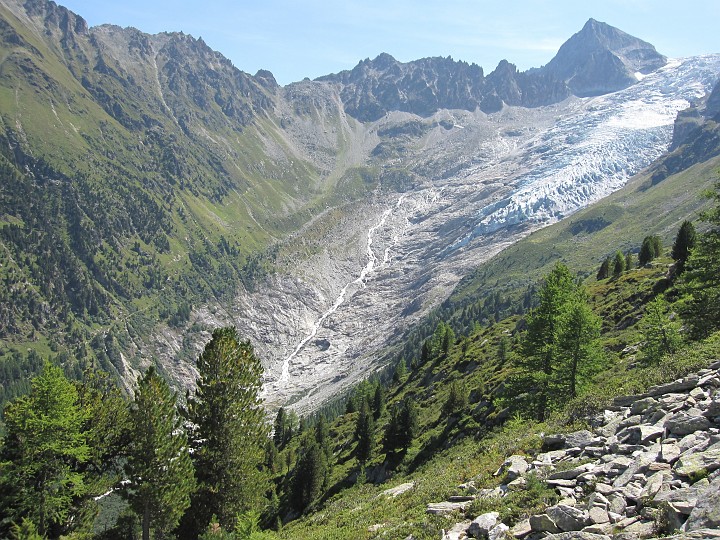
(650,467)
(597,60)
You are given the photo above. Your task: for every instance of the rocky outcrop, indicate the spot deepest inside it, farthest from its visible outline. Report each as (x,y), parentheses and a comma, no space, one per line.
(601,59)
(651,466)
(597,60)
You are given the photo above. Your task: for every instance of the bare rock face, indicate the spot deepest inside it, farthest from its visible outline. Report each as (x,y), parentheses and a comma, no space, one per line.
(601,59)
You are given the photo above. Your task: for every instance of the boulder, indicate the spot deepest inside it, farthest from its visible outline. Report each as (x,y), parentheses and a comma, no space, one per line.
(699,462)
(684,423)
(641,529)
(669,452)
(555,441)
(642,405)
(513,467)
(579,439)
(543,523)
(642,434)
(599,500)
(446,507)
(685,498)
(457,532)
(569,474)
(688,383)
(700,534)
(706,514)
(617,504)
(498,532)
(398,490)
(568,518)
(521,529)
(481,525)
(598,515)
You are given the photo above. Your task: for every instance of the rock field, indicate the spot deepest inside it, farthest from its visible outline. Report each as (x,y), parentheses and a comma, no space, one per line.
(649,468)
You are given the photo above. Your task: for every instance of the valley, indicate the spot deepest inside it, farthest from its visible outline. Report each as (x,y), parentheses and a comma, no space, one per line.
(401,254)
(324,218)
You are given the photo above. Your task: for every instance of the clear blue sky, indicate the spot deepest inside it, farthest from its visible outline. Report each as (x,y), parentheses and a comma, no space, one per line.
(308,38)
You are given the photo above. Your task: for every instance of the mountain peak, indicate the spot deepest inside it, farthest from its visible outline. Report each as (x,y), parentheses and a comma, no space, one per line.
(601,58)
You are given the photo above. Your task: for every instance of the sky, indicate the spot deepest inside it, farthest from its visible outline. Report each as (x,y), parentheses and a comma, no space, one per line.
(295,39)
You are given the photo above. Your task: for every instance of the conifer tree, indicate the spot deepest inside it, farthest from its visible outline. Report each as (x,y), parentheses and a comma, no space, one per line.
(651,249)
(400,372)
(158,469)
(322,438)
(604,271)
(700,283)
(45,447)
(272,457)
(364,433)
(379,404)
(661,335)
(628,260)
(309,475)
(684,243)
(579,343)
(541,345)
(618,264)
(457,399)
(402,427)
(228,435)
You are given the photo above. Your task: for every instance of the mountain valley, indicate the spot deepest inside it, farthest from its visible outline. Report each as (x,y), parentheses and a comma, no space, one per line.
(323,219)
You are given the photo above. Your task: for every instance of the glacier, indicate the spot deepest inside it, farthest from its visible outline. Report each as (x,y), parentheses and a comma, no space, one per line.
(480,186)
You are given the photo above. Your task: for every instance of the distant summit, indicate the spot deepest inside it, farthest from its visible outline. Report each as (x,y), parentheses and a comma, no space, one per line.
(597,60)
(601,59)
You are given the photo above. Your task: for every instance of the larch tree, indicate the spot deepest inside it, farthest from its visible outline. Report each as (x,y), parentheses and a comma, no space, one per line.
(541,344)
(700,283)
(580,350)
(229,433)
(158,469)
(40,463)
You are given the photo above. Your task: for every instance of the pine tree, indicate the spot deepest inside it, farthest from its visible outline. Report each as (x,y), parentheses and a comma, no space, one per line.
(684,243)
(604,271)
(159,470)
(283,427)
(651,249)
(400,372)
(45,448)
(309,475)
(322,438)
(402,427)
(272,458)
(379,404)
(229,433)
(364,433)
(628,260)
(457,399)
(618,264)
